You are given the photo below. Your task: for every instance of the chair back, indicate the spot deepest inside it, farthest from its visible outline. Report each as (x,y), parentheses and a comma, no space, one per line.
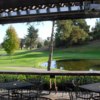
(41,98)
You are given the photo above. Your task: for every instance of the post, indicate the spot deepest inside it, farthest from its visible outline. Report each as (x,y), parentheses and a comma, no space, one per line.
(51,47)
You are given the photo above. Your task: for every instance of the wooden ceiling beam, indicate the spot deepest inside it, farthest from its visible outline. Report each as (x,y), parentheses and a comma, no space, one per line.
(24,10)
(49,16)
(6,4)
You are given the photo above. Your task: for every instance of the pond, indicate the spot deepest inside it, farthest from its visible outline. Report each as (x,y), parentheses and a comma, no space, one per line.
(76,64)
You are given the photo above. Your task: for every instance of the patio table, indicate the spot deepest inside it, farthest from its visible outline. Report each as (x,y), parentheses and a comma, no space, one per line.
(94,87)
(16,85)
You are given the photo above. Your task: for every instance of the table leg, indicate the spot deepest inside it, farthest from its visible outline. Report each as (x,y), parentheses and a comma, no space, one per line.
(8,94)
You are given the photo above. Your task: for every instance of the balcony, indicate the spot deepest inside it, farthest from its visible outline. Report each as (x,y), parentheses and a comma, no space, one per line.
(63,80)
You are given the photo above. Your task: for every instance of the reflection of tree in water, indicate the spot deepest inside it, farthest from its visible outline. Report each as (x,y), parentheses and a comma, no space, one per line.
(78,64)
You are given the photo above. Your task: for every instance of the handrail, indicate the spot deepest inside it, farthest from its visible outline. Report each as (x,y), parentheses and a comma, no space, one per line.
(71,73)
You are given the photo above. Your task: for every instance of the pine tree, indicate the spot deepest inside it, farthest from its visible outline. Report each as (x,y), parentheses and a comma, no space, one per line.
(31,37)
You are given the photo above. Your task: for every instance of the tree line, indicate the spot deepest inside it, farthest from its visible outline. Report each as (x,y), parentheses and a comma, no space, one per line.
(67,33)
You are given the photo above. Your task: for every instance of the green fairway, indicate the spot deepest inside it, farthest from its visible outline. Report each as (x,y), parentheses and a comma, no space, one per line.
(23,58)
(26,58)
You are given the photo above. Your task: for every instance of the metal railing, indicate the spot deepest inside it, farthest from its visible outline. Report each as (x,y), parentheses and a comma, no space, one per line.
(62,73)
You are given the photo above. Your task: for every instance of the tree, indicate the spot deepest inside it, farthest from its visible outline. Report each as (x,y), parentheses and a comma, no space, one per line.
(39,45)
(47,42)
(11,41)
(63,32)
(64,27)
(0,45)
(69,32)
(22,43)
(96,30)
(27,42)
(39,42)
(78,35)
(31,37)
(82,24)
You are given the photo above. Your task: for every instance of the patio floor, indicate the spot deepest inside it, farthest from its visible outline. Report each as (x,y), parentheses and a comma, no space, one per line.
(52,96)
(58,96)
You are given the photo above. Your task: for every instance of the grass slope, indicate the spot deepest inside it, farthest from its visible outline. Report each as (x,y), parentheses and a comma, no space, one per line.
(24,58)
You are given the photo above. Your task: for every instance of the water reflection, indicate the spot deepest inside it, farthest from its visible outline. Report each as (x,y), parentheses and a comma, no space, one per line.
(53,64)
(75,64)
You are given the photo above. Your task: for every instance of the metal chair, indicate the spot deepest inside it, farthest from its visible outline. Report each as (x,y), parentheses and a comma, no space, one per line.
(38,86)
(29,96)
(96,98)
(70,93)
(40,98)
(3,94)
(35,91)
(81,93)
(68,87)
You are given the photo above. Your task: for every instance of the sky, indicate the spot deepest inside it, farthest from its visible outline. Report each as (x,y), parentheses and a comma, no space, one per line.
(44,29)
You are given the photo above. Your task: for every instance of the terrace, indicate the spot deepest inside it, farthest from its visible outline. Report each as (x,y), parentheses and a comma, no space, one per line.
(27,11)
(62,80)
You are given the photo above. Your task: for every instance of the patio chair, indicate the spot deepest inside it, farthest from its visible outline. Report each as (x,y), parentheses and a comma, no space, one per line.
(29,96)
(38,86)
(40,98)
(3,94)
(33,96)
(35,91)
(81,93)
(68,87)
(96,98)
(70,93)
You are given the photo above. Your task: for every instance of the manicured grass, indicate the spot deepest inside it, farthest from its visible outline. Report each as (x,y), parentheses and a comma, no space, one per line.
(23,58)
(26,58)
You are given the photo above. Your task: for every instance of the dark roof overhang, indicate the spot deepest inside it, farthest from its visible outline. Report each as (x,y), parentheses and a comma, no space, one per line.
(9,7)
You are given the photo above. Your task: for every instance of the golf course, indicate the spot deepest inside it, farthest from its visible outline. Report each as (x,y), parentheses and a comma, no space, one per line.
(34,58)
